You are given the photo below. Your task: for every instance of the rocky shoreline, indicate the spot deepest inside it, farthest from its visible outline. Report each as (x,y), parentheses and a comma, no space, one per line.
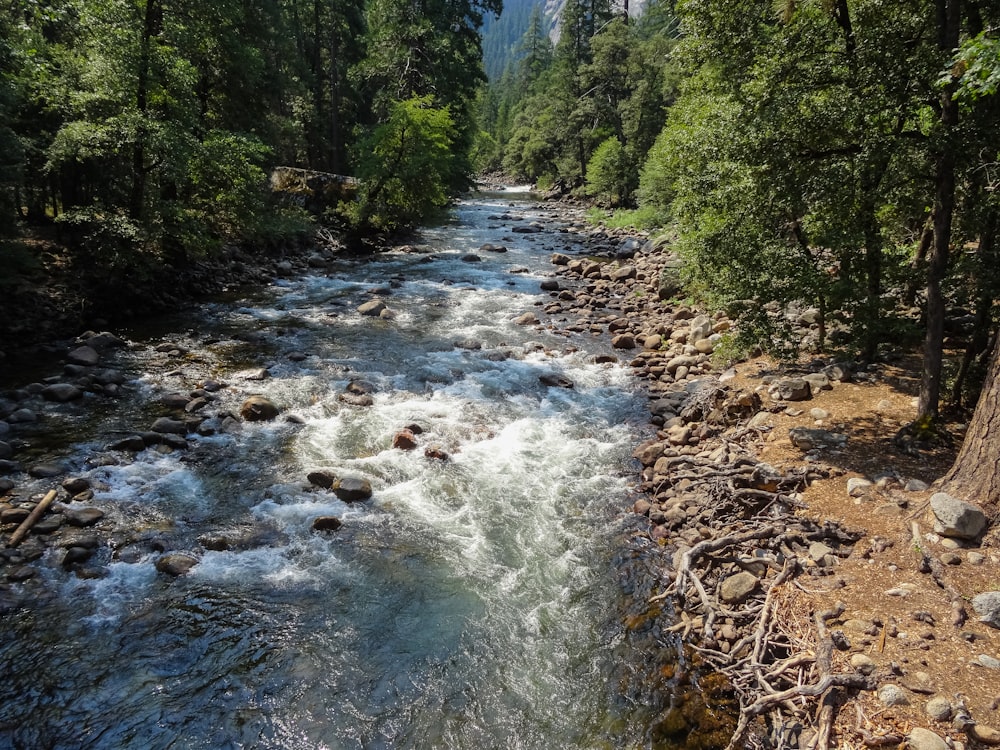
(742,543)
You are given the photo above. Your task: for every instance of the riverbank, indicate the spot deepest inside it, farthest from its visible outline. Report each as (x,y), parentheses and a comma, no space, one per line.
(797,537)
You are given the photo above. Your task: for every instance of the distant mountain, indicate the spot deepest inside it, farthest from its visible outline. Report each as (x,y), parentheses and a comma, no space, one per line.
(502,35)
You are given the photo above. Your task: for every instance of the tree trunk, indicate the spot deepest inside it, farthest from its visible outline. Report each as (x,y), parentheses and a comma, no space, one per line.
(980,340)
(974,476)
(949,21)
(917,264)
(150,28)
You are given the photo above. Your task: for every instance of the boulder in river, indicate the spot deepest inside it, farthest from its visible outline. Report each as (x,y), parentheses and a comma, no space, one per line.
(436,453)
(132,443)
(322,478)
(259,409)
(372,308)
(554,380)
(176,563)
(353,489)
(76,485)
(61,392)
(166,425)
(404,440)
(82,516)
(83,355)
(326,523)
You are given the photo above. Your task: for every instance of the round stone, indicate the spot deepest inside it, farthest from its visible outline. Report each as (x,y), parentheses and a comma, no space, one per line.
(938,708)
(863,663)
(893,695)
(924,739)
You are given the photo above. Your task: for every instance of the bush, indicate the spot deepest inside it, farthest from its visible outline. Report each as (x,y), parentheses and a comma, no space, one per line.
(406,167)
(610,174)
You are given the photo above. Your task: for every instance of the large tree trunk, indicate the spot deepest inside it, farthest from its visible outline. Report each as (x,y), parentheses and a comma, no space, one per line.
(974,476)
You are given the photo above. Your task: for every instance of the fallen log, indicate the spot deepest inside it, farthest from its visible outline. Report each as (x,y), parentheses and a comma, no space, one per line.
(18,536)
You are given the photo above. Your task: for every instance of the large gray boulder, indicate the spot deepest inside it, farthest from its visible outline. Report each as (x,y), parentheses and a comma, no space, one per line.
(793,389)
(956,518)
(372,308)
(83,355)
(987,606)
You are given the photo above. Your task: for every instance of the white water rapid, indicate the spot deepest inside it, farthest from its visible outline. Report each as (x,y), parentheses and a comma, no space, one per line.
(471,603)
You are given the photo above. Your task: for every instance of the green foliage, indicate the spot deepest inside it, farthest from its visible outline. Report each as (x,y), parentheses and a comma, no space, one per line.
(148,128)
(109,242)
(223,194)
(406,165)
(795,160)
(729,350)
(978,67)
(610,173)
(605,78)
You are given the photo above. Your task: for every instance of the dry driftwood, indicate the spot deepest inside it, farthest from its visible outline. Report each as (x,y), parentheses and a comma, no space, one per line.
(18,536)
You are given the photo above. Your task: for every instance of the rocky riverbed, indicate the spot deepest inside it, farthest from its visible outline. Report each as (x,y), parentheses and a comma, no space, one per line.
(842,600)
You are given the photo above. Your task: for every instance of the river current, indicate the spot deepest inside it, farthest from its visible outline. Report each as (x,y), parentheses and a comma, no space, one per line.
(475,602)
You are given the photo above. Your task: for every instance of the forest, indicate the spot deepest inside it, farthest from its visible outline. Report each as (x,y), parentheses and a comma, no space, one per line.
(839,153)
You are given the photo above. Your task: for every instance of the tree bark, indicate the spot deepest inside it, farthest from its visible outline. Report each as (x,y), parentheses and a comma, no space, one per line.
(150,28)
(974,476)
(949,22)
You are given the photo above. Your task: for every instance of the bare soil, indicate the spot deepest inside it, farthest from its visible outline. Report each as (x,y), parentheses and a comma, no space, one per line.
(911,638)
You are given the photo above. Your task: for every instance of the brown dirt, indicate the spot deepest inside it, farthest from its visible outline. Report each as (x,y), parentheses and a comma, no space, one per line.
(928,656)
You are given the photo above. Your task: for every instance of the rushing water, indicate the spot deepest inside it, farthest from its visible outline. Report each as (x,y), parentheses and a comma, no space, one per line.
(472,603)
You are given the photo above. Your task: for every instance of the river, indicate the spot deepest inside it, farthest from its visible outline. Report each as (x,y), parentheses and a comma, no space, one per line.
(474,602)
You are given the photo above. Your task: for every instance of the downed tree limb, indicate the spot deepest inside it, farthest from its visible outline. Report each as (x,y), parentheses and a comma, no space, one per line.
(18,536)
(765,703)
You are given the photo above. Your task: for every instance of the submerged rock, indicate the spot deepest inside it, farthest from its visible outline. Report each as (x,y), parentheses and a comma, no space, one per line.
(404,440)
(326,523)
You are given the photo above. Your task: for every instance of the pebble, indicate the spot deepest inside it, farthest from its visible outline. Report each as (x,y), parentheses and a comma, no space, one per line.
(938,708)
(863,663)
(986,661)
(892,695)
(975,558)
(950,558)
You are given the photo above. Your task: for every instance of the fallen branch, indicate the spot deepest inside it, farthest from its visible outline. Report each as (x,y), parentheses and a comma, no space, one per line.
(22,530)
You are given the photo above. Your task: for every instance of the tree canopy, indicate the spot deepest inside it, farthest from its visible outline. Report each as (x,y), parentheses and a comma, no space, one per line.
(145,129)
